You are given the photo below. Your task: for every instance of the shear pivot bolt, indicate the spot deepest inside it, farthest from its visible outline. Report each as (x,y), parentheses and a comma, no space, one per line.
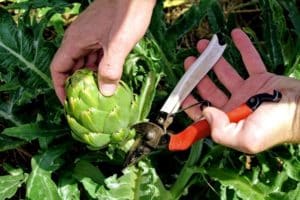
(151,135)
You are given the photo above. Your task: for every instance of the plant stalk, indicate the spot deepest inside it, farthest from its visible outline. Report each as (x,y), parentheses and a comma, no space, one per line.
(187,171)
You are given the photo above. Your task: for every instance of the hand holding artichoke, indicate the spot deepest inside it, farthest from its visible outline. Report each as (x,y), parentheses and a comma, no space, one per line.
(99,120)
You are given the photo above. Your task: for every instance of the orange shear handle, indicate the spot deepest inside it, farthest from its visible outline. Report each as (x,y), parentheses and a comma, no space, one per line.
(199,130)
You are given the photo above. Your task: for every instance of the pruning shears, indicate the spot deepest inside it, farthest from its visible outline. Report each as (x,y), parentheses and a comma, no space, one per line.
(155,135)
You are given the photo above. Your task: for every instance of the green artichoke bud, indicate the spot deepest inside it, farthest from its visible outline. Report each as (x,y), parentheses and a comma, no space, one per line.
(95,119)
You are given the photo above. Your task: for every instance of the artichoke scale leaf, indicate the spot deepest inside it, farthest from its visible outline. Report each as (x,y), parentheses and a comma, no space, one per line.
(114,122)
(77,128)
(82,134)
(78,137)
(75,106)
(124,134)
(98,140)
(124,95)
(80,81)
(134,111)
(107,103)
(73,87)
(90,96)
(122,98)
(93,119)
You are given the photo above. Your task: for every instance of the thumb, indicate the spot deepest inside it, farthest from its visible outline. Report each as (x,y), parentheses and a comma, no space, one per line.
(216,118)
(110,70)
(222,131)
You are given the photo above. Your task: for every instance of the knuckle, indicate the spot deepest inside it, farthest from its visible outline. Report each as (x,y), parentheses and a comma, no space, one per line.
(71,34)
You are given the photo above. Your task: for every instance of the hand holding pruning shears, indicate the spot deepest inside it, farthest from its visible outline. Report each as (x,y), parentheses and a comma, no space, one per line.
(261,112)
(271,123)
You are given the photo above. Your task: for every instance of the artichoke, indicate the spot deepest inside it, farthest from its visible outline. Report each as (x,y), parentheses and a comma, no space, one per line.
(98,120)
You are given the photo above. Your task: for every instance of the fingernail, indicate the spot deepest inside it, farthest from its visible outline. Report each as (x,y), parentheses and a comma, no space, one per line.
(108,89)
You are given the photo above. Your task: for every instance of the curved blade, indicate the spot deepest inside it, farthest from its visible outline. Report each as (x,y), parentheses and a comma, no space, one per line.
(148,138)
(193,75)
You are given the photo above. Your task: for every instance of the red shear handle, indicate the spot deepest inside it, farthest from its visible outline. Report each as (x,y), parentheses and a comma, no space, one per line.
(201,129)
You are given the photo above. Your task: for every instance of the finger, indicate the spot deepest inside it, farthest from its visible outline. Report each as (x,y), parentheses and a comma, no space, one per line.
(250,135)
(59,85)
(222,131)
(100,54)
(63,62)
(210,92)
(91,60)
(190,107)
(206,88)
(224,71)
(79,64)
(250,56)
(110,69)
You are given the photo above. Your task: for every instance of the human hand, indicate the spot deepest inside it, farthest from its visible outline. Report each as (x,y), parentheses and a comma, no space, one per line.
(271,124)
(101,38)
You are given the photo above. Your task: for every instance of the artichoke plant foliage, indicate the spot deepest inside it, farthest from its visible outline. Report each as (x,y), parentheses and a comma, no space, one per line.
(99,120)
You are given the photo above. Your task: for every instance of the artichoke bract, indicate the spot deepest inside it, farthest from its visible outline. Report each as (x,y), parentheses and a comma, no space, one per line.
(99,120)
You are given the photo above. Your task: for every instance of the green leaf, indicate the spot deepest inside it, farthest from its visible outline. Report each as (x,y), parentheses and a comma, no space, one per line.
(189,20)
(292,168)
(244,188)
(291,195)
(168,37)
(274,25)
(68,187)
(32,131)
(216,18)
(28,51)
(139,183)
(7,143)
(219,24)
(293,13)
(33,4)
(9,184)
(7,109)
(25,57)
(9,86)
(40,184)
(85,169)
(147,94)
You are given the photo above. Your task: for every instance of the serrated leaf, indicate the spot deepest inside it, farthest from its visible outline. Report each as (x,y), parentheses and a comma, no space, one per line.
(68,187)
(147,94)
(7,143)
(291,195)
(219,24)
(9,184)
(216,18)
(168,37)
(33,4)
(85,169)
(292,168)
(274,23)
(139,183)
(293,13)
(32,131)
(244,188)
(29,51)
(26,55)
(40,184)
